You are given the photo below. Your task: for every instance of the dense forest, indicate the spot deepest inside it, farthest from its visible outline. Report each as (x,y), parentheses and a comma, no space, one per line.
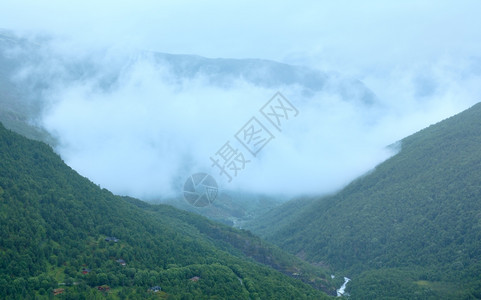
(63,236)
(409,229)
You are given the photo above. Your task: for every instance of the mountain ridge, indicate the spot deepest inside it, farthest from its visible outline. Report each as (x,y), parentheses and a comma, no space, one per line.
(56,229)
(30,67)
(419,209)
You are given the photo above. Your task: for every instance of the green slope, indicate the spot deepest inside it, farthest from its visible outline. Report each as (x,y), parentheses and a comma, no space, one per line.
(409,229)
(54,224)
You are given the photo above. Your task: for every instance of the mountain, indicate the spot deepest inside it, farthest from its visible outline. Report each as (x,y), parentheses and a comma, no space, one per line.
(265,73)
(409,229)
(18,108)
(32,69)
(59,230)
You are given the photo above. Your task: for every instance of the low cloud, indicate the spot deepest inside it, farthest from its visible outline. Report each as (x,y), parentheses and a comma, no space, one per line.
(138,126)
(146,133)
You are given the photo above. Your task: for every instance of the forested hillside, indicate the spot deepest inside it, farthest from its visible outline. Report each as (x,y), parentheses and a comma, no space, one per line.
(61,234)
(409,229)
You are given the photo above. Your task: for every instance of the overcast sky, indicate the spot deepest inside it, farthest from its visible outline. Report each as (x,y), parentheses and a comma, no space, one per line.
(421,59)
(356,33)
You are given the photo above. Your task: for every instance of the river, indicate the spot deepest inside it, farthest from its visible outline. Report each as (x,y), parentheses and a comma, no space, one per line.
(342,289)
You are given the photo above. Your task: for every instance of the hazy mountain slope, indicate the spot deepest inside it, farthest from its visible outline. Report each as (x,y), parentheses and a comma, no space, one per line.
(54,224)
(417,216)
(18,108)
(265,73)
(31,68)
